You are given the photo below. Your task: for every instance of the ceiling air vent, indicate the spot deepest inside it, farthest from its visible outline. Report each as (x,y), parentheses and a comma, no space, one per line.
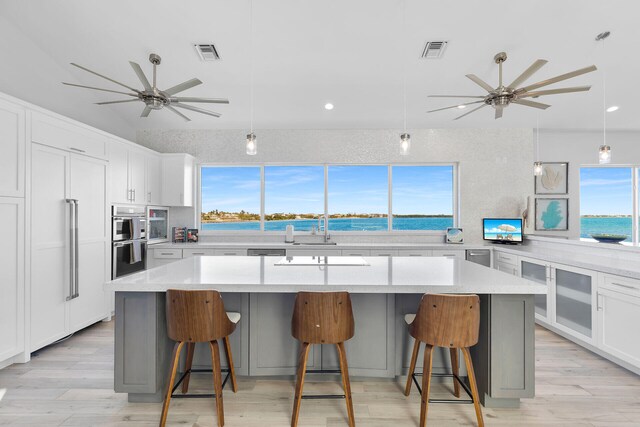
(434,50)
(207,52)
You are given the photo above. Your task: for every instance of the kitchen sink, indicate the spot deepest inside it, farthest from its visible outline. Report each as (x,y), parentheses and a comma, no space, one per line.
(315,243)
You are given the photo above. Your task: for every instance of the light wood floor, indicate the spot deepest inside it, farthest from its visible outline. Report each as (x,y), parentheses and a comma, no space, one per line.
(71,384)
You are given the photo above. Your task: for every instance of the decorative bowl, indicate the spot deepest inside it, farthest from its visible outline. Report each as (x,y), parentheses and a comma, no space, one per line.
(610,238)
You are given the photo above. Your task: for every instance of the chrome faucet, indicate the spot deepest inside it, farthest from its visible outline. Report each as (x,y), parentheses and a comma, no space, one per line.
(324,227)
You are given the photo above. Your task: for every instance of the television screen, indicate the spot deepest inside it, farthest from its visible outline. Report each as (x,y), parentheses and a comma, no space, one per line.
(505,230)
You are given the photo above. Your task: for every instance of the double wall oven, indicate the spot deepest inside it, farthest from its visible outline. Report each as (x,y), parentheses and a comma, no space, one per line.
(129,240)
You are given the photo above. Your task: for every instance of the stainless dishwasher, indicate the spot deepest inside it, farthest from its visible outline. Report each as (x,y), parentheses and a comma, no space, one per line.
(479,256)
(266,252)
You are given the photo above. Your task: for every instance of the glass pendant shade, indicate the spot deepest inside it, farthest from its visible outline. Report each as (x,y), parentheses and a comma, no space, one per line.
(252,144)
(604,154)
(537,168)
(405,144)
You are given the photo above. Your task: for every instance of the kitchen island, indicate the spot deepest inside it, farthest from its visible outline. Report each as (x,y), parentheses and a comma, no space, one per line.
(383,290)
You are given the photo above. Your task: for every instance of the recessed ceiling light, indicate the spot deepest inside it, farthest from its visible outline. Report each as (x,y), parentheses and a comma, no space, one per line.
(612,109)
(461,107)
(328,106)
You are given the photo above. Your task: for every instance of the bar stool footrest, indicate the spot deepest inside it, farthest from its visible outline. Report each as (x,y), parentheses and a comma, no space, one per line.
(197,395)
(438,375)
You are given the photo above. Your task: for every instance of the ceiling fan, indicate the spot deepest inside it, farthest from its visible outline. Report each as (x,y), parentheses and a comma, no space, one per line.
(503,96)
(154,98)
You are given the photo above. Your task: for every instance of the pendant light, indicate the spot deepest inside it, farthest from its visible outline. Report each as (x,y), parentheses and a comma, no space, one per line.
(405,138)
(604,151)
(537,165)
(252,140)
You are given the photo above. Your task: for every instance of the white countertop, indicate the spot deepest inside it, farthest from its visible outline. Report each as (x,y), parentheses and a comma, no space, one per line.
(381,275)
(308,245)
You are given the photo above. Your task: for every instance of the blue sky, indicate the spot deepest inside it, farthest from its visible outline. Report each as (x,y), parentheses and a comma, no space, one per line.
(300,189)
(606,191)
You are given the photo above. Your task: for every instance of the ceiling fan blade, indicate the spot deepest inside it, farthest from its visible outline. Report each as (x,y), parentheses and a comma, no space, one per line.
(454,106)
(105,77)
(207,100)
(170,108)
(555,91)
(98,88)
(533,104)
(196,109)
(116,102)
(141,76)
(454,96)
(146,111)
(182,86)
(557,79)
(499,110)
(526,74)
(469,112)
(480,82)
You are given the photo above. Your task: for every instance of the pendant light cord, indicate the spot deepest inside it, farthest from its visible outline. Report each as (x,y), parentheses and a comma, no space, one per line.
(604,96)
(538,137)
(404,68)
(251,66)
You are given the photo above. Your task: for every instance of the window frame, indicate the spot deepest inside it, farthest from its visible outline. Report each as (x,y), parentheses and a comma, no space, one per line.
(389,231)
(635,199)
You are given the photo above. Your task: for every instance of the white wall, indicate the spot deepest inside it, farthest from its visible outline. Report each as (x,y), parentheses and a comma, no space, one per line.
(494,164)
(581,149)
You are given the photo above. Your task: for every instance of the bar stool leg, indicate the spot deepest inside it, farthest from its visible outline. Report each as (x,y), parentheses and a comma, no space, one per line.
(303,354)
(175,358)
(412,367)
(426,384)
(217,380)
(455,368)
(474,386)
(346,383)
(232,371)
(189,362)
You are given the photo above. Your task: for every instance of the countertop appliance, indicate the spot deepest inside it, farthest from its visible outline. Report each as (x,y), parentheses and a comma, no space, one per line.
(129,243)
(479,256)
(157,224)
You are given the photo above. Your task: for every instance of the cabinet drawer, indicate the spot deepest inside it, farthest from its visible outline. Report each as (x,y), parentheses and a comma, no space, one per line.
(448,254)
(414,252)
(186,253)
(356,252)
(59,134)
(230,252)
(506,258)
(383,252)
(507,268)
(167,253)
(621,284)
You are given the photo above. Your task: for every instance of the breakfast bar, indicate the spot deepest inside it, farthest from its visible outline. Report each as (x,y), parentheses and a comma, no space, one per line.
(383,289)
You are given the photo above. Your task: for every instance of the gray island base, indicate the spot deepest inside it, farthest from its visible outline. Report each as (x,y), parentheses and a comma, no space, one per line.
(383,290)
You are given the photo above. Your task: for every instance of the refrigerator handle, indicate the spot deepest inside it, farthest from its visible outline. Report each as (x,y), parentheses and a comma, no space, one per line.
(76,247)
(73,249)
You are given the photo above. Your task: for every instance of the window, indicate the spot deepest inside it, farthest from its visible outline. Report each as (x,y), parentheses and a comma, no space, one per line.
(422,197)
(606,201)
(230,198)
(356,198)
(293,195)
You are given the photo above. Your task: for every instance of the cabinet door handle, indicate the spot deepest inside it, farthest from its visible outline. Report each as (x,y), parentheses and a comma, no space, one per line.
(133,199)
(229,253)
(149,197)
(599,302)
(166,253)
(624,286)
(197,253)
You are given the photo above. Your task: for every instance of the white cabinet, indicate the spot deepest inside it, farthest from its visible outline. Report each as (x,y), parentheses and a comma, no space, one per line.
(539,272)
(12,278)
(177,179)
(154,179)
(618,314)
(415,252)
(384,252)
(449,253)
(68,136)
(188,253)
(158,257)
(230,252)
(57,176)
(356,252)
(507,263)
(128,174)
(12,149)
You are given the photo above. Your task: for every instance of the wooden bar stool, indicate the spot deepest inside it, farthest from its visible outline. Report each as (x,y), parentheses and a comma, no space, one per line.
(322,318)
(451,321)
(199,316)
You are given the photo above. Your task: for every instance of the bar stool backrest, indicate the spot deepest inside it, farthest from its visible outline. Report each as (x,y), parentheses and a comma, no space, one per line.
(447,320)
(322,317)
(197,316)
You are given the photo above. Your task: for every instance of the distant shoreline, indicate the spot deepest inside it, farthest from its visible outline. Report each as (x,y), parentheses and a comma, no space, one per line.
(210,221)
(605,216)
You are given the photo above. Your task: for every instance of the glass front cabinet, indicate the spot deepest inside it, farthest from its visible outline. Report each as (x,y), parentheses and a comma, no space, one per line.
(570,303)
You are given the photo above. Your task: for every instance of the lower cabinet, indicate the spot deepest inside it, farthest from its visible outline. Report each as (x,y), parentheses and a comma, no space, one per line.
(12,278)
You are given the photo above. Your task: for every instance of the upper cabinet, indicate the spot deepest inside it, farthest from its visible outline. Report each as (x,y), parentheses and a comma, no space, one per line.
(177,179)
(12,149)
(67,136)
(154,179)
(128,174)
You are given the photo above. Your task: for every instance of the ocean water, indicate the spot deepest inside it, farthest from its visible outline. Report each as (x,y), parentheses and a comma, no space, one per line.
(339,224)
(589,226)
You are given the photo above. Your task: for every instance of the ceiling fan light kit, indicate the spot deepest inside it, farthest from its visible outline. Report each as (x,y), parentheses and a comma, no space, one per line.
(154,98)
(502,96)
